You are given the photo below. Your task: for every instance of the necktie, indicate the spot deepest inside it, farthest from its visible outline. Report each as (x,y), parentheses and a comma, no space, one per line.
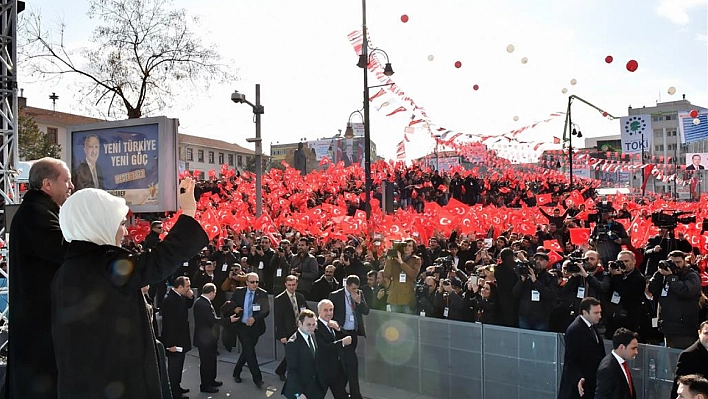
(247,306)
(629,378)
(594,334)
(94,177)
(292,300)
(311,344)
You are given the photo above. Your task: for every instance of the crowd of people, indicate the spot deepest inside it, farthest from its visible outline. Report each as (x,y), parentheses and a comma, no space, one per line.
(504,275)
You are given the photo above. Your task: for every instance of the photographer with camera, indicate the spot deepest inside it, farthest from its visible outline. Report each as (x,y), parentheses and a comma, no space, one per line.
(425,291)
(280,265)
(678,288)
(352,264)
(264,255)
(536,293)
(506,279)
(626,292)
(448,302)
(587,279)
(657,249)
(608,236)
(401,269)
(481,300)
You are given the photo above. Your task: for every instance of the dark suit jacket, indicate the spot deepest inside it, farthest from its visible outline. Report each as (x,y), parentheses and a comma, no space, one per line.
(693,360)
(691,167)
(285,321)
(175,320)
(237,299)
(611,382)
(206,324)
(302,370)
(339,301)
(584,351)
(329,349)
(82,178)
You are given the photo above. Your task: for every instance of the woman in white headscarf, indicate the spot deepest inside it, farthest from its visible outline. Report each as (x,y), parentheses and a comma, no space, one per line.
(104,343)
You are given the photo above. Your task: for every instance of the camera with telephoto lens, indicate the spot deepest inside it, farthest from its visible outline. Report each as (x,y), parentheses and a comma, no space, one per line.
(669,219)
(396,247)
(575,260)
(443,265)
(523,267)
(603,207)
(669,265)
(617,265)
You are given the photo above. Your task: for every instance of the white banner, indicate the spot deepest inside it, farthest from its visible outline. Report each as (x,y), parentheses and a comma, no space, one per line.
(632,130)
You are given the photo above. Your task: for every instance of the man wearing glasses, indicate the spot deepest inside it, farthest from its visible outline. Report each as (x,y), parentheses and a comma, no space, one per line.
(159,290)
(247,311)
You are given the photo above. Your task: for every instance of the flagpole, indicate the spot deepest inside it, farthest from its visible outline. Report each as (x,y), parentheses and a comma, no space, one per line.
(367,122)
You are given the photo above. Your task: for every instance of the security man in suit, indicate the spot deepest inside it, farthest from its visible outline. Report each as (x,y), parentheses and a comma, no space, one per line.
(250,304)
(287,306)
(349,308)
(301,352)
(329,361)
(614,379)
(694,359)
(583,352)
(206,338)
(175,331)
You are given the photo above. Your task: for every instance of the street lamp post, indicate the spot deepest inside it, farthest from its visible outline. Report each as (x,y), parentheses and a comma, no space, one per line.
(258,110)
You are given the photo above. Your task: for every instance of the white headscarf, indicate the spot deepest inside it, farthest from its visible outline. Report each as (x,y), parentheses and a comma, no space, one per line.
(92,215)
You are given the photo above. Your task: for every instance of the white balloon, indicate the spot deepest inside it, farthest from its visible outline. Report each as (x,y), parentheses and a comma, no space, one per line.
(524,60)
(510,48)
(573,81)
(516,118)
(672,90)
(564,90)
(696,121)
(431,57)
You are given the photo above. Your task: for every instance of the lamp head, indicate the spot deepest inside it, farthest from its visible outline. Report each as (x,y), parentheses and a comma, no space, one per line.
(388,70)
(237,97)
(349,133)
(362,61)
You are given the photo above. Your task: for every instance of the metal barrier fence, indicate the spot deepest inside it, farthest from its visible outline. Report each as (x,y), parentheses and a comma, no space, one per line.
(450,359)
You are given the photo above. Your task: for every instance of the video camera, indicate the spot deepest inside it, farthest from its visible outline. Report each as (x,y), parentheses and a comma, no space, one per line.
(523,267)
(668,264)
(669,219)
(601,208)
(397,246)
(576,259)
(443,265)
(617,265)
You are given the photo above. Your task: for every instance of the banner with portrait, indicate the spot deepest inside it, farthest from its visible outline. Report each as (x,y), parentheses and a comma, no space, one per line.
(696,160)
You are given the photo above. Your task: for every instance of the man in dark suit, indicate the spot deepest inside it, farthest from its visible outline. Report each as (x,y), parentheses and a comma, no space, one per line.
(251,306)
(158,290)
(694,359)
(324,285)
(206,338)
(695,163)
(89,174)
(583,352)
(286,307)
(301,352)
(37,249)
(349,308)
(329,362)
(614,379)
(175,331)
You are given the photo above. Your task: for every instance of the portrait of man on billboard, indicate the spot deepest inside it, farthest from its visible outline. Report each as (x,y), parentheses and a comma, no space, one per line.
(88,174)
(695,163)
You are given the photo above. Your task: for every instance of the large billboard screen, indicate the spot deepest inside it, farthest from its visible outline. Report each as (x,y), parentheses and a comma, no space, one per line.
(134,159)
(696,160)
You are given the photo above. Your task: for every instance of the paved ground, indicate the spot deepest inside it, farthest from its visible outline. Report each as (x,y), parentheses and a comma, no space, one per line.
(272,386)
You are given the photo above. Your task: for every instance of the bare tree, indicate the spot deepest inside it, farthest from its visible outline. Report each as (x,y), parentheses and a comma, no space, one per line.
(142,53)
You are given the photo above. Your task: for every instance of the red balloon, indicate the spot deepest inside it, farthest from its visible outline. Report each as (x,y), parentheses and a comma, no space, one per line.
(632,65)
(458,64)
(604,114)
(609,59)
(694,113)
(476,87)
(404,18)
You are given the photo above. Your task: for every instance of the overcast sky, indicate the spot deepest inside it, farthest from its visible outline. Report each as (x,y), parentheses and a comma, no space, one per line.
(299,52)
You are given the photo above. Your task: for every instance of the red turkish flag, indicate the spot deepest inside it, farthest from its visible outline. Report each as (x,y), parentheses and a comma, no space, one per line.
(694,237)
(552,245)
(543,199)
(526,228)
(575,198)
(579,236)
(553,258)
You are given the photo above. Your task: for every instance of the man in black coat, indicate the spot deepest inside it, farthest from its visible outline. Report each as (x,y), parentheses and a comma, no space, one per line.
(583,352)
(349,308)
(286,308)
(37,249)
(206,338)
(614,378)
(250,305)
(301,352)
(175,330)
(329,361)
(536,293)
(157,291)
(694,359)
(506,279)
(264,255)
(626,291)
(324,285)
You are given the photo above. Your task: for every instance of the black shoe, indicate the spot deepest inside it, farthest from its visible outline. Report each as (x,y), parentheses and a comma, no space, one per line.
(208,389)
(259,384)
(180,397)
(184,390)
(216,383)
(282,377)
(238,379)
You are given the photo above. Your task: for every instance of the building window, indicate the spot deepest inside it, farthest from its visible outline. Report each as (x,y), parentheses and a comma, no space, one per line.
(190,154)
(221,158)
(240,160)
(659,147)
(671,146)
(211,156)
(200,155)
(671,133)
(670,117)
(231,159)
(53,135)
(657,118)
